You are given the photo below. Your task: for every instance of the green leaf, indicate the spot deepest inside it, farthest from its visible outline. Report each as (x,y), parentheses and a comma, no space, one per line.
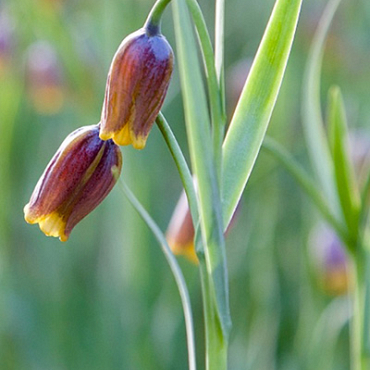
(201,154)
(256,103)
(313,125)
(347,186)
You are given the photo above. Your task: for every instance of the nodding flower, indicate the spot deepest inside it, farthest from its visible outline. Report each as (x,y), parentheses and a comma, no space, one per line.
(137,84)
(77,179)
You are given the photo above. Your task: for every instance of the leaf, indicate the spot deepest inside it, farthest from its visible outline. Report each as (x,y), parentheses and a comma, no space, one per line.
(252,115)
(347,186)
(313,125)
(201,154)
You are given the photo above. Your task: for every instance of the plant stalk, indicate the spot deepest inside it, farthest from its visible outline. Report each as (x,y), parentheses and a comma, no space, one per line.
(216,344)
(153,22)
(360,325)
(176,271)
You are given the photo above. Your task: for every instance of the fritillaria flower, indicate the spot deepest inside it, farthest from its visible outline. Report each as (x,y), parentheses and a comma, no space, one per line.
(137,83)
(79,176)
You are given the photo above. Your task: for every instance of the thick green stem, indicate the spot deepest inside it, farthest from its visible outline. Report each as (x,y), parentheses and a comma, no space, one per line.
(153,22)
(216,345)
(360,325)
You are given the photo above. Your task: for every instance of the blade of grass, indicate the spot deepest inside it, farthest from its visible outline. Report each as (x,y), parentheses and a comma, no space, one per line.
(201,153)
(256,103)
(215,90)
(313,125)
(348,190)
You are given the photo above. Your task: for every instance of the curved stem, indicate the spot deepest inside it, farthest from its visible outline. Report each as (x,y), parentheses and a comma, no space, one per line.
(182,166)
(216,346)
(153,22)
(175,268)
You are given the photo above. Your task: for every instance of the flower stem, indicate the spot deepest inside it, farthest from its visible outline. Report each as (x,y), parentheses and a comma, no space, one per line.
(216,343)
(153,22)
(176,271)
(182,166)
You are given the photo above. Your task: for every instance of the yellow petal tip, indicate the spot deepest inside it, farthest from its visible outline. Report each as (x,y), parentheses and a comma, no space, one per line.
(53,225)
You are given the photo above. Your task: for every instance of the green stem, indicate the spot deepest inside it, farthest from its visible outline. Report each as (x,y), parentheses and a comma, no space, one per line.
(182,166)
(359,325)
(153,22)
(175,268)
(216,346)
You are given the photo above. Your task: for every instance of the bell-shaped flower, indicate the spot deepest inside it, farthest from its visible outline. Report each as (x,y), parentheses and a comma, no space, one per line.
(77,179)
(137,83)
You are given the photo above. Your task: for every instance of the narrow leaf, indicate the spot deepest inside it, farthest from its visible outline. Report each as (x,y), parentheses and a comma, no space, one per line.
(256,103)
(201,153)
(313,125)
(348,190)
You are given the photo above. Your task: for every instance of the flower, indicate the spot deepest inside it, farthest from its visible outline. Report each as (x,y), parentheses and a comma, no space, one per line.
(79,176)
(137,83)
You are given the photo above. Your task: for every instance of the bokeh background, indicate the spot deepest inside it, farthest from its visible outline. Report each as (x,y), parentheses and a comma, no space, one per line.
(106,299)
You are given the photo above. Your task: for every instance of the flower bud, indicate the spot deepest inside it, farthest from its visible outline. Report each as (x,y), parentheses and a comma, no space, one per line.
(137,83)
(77,179)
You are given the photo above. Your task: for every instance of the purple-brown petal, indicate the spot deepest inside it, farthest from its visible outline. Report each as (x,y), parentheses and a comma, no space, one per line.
(76,180)
(136,87)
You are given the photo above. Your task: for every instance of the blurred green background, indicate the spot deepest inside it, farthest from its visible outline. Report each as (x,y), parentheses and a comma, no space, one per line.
(106,299)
